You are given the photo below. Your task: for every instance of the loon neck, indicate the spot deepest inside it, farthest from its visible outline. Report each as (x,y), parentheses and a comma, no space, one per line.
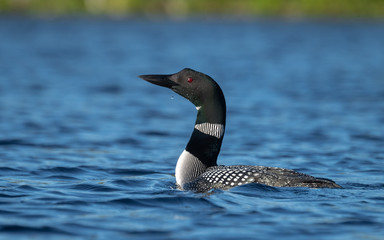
(207,136)
(204,145)
(205,142)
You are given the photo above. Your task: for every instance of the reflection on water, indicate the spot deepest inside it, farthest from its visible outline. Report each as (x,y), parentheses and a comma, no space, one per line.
(88,149)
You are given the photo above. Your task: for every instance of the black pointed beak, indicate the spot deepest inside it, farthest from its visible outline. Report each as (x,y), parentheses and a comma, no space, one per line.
(161,80)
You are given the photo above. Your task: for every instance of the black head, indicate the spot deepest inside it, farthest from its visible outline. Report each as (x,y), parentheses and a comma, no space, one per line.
(197,87)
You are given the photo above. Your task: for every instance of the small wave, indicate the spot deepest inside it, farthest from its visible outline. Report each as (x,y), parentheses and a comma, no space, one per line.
(27,188)
(194,202)
(130,172)
(61,177)
(3,195)
(359,222)
(128,141)
(22,142)
(377,198)
(62,170)
(155,133)
(28,229)
(94,187)
(129,182)
(6,212)
(128,202)
(368,137)
(377,186)
(11,142)
(73,203)
(149,234)
(8,170)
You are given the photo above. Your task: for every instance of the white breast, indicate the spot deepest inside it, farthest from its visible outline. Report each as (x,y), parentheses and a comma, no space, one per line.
(188,167)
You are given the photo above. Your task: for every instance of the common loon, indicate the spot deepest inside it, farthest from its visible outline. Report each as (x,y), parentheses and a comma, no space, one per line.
(196,169)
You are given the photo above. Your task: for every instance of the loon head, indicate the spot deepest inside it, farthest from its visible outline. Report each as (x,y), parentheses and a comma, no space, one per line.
(198,88)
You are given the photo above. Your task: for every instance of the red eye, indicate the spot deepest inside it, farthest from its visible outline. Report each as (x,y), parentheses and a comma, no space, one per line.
(190,79)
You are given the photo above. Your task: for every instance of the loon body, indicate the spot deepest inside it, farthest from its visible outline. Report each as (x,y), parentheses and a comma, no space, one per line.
(196,168)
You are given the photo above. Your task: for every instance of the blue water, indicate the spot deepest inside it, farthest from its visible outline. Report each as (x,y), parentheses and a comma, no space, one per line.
(88,150)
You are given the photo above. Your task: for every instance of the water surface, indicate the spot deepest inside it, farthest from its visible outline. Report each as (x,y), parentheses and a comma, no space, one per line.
(88,150)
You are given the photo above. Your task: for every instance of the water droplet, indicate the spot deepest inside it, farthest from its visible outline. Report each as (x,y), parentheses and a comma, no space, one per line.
(172,97)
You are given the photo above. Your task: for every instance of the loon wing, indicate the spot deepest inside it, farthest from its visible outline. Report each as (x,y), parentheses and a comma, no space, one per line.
(225,177)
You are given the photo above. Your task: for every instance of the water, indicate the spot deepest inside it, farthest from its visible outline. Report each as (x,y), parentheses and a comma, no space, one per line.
(88,150)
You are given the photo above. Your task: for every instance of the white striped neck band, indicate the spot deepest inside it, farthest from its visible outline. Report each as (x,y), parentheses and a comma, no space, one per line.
(212,129)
